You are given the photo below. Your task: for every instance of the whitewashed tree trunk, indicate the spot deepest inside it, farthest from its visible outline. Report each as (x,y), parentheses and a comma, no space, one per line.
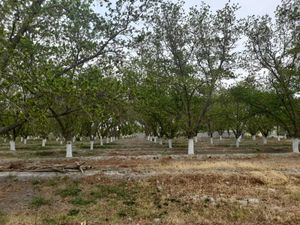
(12,145)
(107,140)
(4,140)
(196,139)
(22,139)
(278,138)
(91,145)
(265,140)
(74,139)
(253,137)
(170,143)
(295,142)
(237,143)
(101,140)
(44,142)
(61,142)
(80,138)
(211,141)
(221,138)
(69,153)
(191,146)
(160,141)
(25,141)
(155,139)
(111,139)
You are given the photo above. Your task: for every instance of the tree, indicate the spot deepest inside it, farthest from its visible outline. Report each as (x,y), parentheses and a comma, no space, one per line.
(274,48)
(195,50)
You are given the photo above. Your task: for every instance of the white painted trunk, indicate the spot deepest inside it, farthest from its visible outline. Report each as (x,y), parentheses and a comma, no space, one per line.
(253,137)
(80,139)
(12,145)
(240,138)
(74,139)
(22,139)
(160,141)
(155,139)
(211,141)
(191,146)
(61,142)
(221,138)
(101,140)
(69,150)
(196,139)
(265,140)
(170,143)
(107,140)
(278,138)
(44,142)
(4,140)
(111,139)
(295,145)
(25,141)
(91,145)
(237,143)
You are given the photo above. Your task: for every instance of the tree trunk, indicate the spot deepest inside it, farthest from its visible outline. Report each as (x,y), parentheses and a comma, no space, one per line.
(91,145)
(170,143)
(155,139)
(44,142)
(265,140)
(191,146)
(12,145)
(101,141)
(278,138)
(295,142)
(107,140)
(237,143)
(253,137)
(111,139)
(160,141)
(211,140)
(25,141)
(221,138)
(69,153)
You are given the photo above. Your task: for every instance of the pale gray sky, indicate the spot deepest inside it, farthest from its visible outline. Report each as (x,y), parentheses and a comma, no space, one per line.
(248,7)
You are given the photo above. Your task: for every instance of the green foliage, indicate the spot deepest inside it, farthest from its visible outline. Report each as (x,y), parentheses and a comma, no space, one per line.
(72,190)
(38,201)
(80,201)
(73,212)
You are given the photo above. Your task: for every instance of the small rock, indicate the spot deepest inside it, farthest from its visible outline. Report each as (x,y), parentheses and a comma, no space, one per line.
(156,220)
(243,202)
(253,201)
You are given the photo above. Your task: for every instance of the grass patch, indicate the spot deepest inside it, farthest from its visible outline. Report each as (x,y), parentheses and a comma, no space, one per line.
(3,218)
(295,196)
(72,190)
(81,201)
(73,212)
(38,201)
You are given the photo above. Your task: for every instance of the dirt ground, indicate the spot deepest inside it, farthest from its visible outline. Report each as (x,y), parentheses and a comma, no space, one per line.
(142,189)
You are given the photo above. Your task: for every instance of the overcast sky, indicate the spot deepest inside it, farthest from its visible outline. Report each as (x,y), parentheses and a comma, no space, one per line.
(248,7)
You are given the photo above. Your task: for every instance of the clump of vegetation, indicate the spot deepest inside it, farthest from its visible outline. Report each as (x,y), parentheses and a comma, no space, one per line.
(73,212)
(38,201)
(72,190)
(81,201)
(3,218)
